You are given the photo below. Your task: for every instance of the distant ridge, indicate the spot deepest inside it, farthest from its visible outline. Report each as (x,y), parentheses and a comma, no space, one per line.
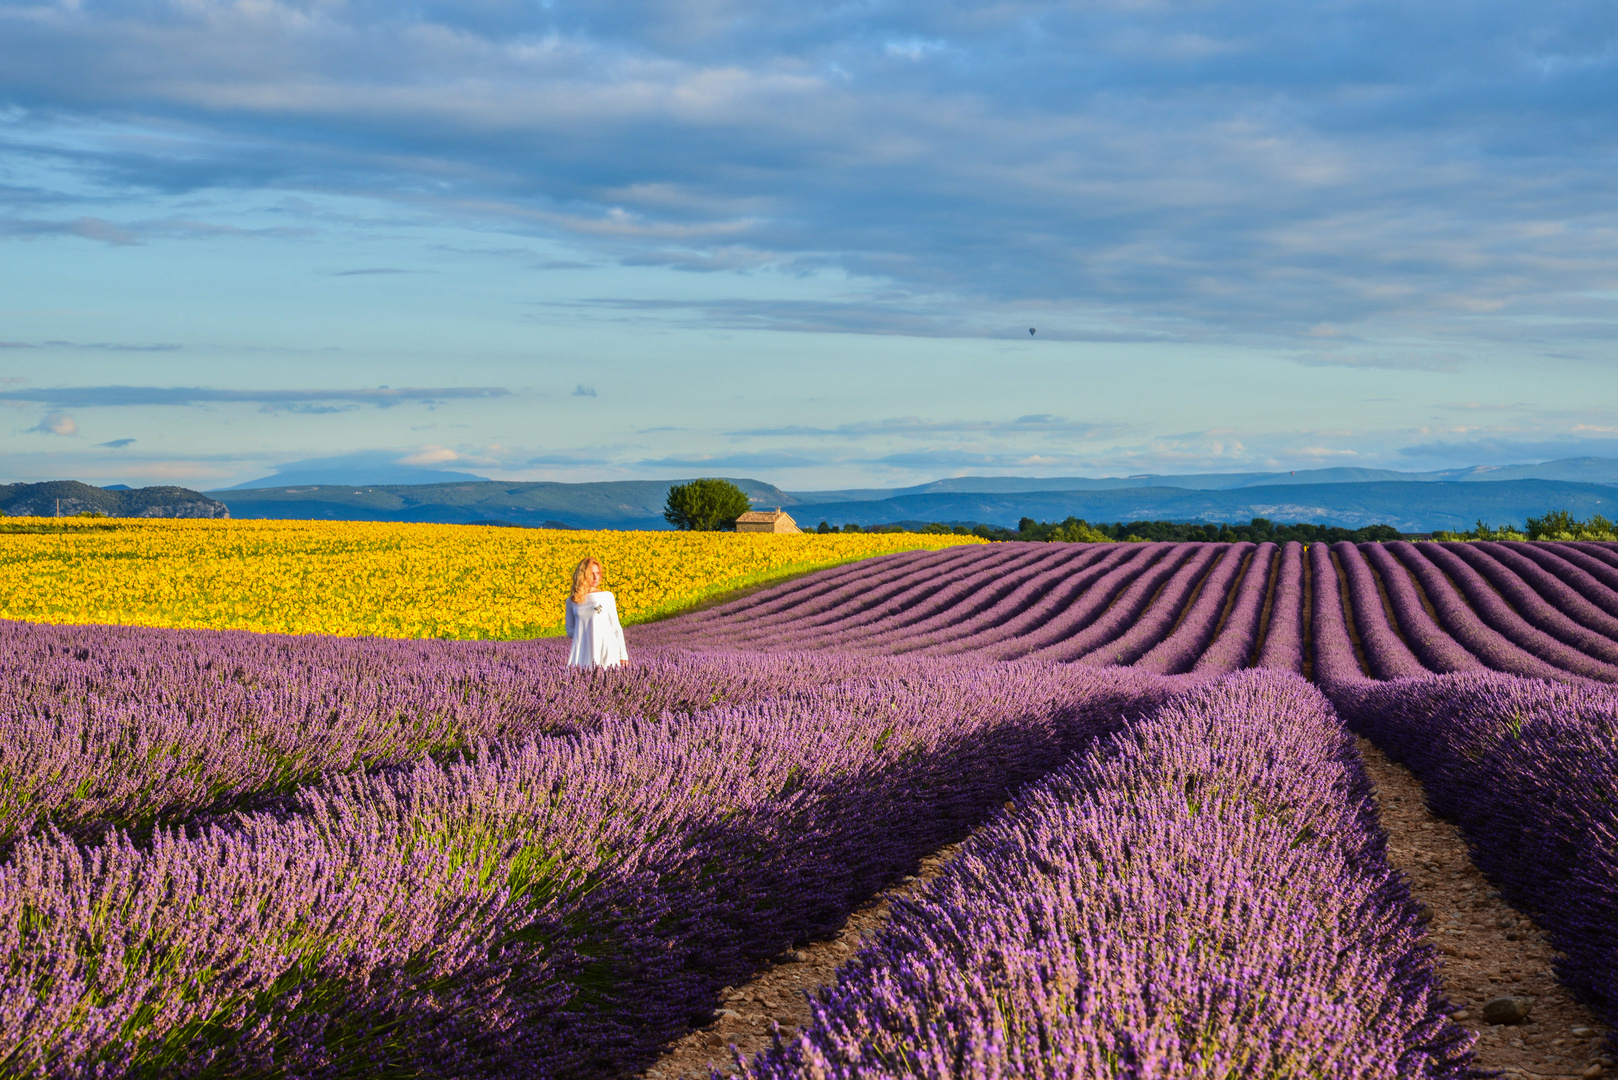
(1408,506)
(70,497)
(615,504)
(1346,497)
(371,467)
(1584,470)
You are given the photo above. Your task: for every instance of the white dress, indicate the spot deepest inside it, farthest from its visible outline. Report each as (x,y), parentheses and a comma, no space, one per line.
(598,638)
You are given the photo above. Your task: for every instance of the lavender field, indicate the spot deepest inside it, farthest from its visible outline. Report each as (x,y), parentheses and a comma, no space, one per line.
(228,854)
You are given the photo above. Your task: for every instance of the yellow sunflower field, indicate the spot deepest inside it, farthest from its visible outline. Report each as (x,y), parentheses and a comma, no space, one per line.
(382,578)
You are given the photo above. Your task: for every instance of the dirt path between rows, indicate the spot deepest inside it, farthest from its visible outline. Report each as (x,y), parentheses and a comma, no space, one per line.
(1488,949)
(780,993)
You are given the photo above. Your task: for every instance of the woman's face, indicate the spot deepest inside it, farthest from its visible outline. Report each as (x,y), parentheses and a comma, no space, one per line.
(592,575)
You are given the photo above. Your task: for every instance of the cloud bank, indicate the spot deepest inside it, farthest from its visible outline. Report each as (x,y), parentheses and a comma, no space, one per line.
(1116,169)
(147,396)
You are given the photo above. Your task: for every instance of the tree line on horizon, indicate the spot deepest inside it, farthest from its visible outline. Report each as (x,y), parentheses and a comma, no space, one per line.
(713,505)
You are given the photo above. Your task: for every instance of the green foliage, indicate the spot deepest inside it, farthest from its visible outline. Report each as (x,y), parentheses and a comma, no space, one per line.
(1077,530)
(706,505)
(1482,531)
(1560,525)
(1555,525)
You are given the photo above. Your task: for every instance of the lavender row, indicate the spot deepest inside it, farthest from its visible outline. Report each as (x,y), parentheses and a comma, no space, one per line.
(981,590)
(1603,552)
(1084,609)
(1160,616)
(135,727)
(1421,633)
(1283,647)
(1335,661)
(555,908)
(1594,581)
(803,598)
(1544,602)
(1570,590)
(1511,618)
(1497,606)
(911,638)
(1527,768)
(1206,894)
(926,608)
(1386,653)
(1096,604)
(1461,622)
(1178,650)
(765,612)
(1030,605)
(1586,559)
(1124,612)
(988,608)
(1237,640)
(922,591)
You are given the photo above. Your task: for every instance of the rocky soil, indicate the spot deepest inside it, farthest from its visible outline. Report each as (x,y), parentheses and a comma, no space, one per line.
(779,995)
(1488,952)
(1488,949)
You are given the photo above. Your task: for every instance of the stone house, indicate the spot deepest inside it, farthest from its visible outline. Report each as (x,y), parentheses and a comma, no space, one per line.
(767,521)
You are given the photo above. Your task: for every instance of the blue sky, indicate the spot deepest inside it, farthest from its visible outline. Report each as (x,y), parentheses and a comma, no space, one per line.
(804,241)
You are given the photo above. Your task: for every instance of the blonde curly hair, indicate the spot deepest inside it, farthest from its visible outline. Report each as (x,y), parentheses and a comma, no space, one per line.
(581,587)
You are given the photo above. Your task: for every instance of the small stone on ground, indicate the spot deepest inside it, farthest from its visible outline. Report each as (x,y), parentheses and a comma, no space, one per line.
(1489,951)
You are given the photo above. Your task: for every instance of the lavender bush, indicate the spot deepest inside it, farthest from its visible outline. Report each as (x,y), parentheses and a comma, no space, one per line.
(1204,895)
(1282,649)
(1161,615)
(557,907)
(1181,648)
(1568,643)
(1528,769)
(135,727)
(1594,581)
(1386,653)
(1234,646)
(1462,623)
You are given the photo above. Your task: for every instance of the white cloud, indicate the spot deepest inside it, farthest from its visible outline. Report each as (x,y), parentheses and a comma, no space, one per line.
(430,455)
(57,423)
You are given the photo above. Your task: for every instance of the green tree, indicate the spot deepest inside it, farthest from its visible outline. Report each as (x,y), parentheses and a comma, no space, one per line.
(706,505)
(1561,525)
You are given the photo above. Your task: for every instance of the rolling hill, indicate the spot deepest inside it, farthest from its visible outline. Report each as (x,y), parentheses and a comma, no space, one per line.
(1336,497)
(1409,506)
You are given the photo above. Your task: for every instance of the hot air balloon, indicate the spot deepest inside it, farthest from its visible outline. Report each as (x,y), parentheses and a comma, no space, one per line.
(1030,331)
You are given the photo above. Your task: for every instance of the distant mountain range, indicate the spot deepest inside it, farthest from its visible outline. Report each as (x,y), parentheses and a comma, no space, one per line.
(617,504)
(1410,502)
(1586,470)
(368,467)
(1413,502)
(1407,506)
(66,498)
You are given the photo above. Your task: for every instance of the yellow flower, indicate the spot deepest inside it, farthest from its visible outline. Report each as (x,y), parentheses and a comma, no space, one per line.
(383,579)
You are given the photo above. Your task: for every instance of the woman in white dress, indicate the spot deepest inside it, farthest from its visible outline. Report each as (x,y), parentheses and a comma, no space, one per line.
(592,621)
